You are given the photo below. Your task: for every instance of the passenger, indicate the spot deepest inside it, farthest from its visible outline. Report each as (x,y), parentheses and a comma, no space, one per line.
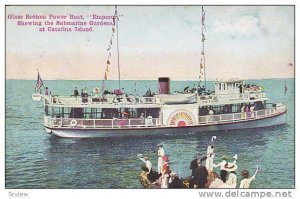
(142,119)
(201,174)
(223,175)
(46,91)
(165,173)
(175,182)
(160,154)
(142,116)
(248,112)
(232,178)
(215,183)
(246,182)
(82,95)
(149,121)
(223,172)
(76,92)
(243,114)
(147,162)
(194,165)
(149,173)
(252,110)
(210,157)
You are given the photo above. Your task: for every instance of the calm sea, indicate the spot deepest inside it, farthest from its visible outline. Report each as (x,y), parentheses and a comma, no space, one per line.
(35,159)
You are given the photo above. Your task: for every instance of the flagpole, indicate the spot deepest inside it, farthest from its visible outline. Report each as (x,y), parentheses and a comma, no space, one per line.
(117,22)
(203,45)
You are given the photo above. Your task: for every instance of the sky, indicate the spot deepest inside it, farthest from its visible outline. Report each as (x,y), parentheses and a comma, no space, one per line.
(245,42)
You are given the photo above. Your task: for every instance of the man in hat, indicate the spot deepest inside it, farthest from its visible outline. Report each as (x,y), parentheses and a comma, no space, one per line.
(194,165)
(225,166)
(160,154)
(201,173)
(210,157)
(223,172)
(246,182)
(232,178)
(76,93)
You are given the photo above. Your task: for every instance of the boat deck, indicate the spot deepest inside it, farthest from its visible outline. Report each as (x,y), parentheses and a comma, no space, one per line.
(157,122)
(204,100)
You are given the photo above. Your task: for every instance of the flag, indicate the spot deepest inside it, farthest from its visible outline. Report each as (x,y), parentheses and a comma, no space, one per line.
(103,86)
(203,37)
(106,72)
(203,17)
(39,82)
(116,13)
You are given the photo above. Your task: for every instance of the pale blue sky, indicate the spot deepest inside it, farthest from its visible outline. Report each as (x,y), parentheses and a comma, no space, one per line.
(249,42)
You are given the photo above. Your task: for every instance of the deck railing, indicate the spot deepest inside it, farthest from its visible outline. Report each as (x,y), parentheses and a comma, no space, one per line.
(234,117)
(65,100)
(101,123)
(231,97)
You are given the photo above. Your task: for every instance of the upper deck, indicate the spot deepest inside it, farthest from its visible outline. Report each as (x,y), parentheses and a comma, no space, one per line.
(156,101)
(108,101)
(231,98)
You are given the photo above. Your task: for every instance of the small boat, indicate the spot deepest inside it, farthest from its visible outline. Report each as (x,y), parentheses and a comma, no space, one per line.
(213,181)
(178,98)
(37,96)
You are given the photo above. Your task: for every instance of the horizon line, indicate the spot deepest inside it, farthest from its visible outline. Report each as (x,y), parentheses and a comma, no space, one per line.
(149,79)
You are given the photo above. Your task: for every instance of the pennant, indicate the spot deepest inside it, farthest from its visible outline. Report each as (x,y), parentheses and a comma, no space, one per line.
(203,17)
(103,85)
(203,37)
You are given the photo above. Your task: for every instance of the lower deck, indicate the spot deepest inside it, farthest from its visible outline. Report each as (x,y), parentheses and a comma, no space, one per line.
(157,122)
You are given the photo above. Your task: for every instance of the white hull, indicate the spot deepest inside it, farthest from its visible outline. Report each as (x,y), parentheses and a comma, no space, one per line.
(121,132)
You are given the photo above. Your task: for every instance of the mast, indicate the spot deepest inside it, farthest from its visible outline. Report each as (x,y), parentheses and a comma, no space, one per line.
(117,22)
(202,61)
(107,68)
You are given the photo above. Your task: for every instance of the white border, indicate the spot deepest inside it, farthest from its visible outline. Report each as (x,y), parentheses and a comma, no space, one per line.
(123,193)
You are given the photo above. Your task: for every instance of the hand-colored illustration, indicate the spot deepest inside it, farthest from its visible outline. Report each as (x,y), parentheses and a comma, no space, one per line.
(97,96)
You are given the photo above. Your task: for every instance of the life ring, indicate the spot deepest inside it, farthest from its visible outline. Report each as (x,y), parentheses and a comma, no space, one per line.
(73,122)
(96,90)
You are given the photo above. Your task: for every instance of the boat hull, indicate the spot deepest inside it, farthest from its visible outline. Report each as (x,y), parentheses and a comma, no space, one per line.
(275,120)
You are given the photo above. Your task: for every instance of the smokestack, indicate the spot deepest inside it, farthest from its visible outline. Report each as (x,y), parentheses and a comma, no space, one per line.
(164,85)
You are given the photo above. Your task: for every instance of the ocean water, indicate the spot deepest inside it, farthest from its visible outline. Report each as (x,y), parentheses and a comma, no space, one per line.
(35,159)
